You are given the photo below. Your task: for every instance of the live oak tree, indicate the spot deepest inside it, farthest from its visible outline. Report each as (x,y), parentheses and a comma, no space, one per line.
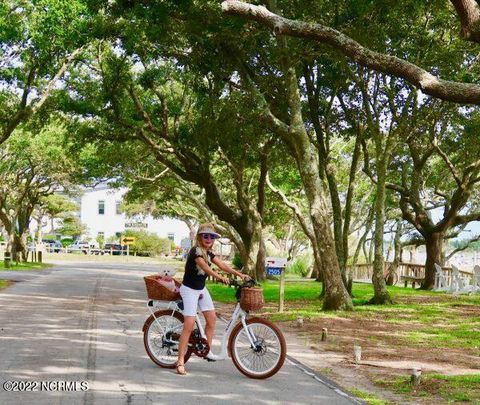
(71,226)
(32,166)
(51,208)
(332,120)
(54,207)
(283,114)
(463,66)
(166,194)
(234,63)
(182,121)
(39,42)
(438,183)
(207,46)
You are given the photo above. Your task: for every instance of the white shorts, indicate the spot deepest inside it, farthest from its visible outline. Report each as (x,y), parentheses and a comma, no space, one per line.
(191,300)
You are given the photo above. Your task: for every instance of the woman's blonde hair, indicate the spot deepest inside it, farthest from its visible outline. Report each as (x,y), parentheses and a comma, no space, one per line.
(198,238)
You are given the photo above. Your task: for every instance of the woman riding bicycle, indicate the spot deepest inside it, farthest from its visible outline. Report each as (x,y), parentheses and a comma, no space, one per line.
(193,290)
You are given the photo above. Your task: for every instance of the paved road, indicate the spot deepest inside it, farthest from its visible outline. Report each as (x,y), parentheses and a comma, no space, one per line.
(82,322)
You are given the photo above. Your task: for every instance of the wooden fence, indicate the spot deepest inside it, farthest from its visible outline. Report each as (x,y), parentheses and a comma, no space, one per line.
(364,271)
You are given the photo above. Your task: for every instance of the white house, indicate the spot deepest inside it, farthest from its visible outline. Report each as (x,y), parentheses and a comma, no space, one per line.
(100,213)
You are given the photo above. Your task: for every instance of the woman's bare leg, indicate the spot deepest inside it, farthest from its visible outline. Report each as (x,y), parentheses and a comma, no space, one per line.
(188,324)
(211,319)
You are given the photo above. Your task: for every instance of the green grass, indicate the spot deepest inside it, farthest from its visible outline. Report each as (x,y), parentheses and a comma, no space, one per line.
(451,335)
(369,398)
(294,291)
(24,266)
(451,388)
(439,318)
(417,319)
(3,284)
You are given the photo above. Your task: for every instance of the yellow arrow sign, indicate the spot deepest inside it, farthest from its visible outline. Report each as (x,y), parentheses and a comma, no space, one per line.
(128,240)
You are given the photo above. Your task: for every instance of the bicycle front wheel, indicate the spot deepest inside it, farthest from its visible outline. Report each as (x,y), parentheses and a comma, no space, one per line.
(266,356)
(161,336)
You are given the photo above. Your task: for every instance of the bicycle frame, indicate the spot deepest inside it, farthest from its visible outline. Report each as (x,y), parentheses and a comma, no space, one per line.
(238,313)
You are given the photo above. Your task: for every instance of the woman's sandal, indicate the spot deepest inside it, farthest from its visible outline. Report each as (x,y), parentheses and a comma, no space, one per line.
(181,369)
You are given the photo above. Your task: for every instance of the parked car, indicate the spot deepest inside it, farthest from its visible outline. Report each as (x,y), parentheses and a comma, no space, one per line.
(53,245)
(115,248)
(81,245)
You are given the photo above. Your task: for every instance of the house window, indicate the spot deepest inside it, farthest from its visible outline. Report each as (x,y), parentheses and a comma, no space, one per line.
(101,207)
(171,236)
(118,209)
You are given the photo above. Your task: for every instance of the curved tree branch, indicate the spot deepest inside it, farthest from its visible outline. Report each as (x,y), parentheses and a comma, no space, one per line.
(466,93)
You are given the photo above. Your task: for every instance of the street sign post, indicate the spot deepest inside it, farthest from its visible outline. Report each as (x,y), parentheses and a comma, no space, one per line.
(275,266)
(127,241)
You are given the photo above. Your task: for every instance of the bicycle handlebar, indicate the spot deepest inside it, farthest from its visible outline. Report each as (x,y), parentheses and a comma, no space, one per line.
(243,284)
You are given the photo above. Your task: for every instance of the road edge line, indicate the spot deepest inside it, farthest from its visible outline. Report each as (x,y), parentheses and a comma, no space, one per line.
(323,380)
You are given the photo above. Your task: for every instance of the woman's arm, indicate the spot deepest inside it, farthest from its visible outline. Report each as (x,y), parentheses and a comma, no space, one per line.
(225,267)
(206,268)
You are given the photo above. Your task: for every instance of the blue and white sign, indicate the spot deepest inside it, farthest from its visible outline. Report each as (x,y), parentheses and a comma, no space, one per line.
(273,271)
(275,265)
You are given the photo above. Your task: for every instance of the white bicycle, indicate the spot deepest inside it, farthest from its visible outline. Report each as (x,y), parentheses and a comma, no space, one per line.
(257,346)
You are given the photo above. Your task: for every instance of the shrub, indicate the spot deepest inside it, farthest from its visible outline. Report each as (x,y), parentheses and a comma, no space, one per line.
(101,241)
(66,242)
(149,244)
(299,266)
(237,261)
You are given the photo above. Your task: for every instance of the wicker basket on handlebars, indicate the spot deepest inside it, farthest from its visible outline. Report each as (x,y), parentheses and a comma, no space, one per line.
(251,299)
(156,291)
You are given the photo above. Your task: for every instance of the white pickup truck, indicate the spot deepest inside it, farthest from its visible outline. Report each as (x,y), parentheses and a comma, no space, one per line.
(82,246)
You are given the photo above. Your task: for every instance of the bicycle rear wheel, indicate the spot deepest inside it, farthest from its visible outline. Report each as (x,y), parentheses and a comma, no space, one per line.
(266,357)
(161,336)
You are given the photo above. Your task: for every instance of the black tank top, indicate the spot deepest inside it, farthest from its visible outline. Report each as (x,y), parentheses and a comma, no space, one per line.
(194,276)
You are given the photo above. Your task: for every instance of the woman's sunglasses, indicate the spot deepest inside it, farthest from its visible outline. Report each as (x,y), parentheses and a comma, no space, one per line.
(208,236)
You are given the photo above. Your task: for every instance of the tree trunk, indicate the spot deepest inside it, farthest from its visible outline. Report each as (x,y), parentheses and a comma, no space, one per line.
(369,254)
(252,253)
(337,218)
(338,226)
(348,208)
(19,247)
(336,295)
(361,242)
(312,272)
(434,246)
(39,229)
(260,266)
(397,252)
(381,295)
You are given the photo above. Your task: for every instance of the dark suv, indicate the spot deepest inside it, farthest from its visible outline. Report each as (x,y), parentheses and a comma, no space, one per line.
(115,248)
